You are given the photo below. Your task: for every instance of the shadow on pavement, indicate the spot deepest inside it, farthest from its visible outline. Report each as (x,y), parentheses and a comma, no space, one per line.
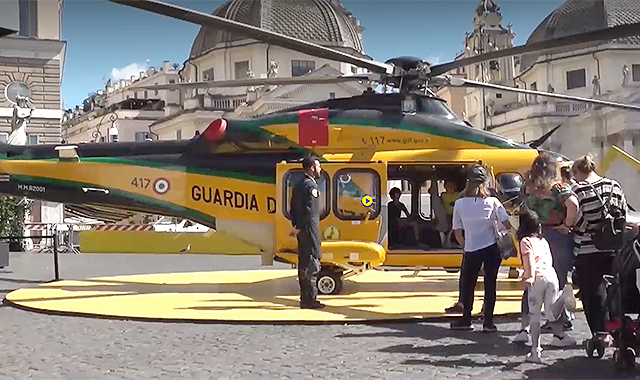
(579,368)
(446,348)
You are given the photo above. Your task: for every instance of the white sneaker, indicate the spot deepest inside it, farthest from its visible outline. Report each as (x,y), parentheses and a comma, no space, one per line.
(534,356)
(565,341)
(522,337)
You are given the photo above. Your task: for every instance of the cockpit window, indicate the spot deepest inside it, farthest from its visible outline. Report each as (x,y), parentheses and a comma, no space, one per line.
(436,107)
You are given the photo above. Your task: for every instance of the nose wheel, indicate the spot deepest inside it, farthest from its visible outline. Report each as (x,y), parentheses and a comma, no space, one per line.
(329,282)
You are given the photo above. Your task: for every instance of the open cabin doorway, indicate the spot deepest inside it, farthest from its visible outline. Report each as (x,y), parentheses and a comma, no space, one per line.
(419,218)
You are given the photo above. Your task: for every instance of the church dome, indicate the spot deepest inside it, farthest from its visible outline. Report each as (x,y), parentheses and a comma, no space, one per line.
(580,16)
(325,22)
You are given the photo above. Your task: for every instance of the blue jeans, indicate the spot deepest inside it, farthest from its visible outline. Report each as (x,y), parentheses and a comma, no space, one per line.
(561,246)
(562,252)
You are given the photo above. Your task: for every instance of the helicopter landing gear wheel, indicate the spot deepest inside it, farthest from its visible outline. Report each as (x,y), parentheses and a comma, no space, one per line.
(329,281)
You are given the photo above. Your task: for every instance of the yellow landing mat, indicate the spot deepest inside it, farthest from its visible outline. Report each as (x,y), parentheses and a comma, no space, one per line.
(258,296)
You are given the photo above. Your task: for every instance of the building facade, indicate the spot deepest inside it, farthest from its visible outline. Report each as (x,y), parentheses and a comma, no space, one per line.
(217,55)
(119,112)
(608,70)
(32,66)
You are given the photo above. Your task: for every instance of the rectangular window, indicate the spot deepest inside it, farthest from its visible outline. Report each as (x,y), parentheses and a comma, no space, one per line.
(28,10)
(350,187)
(146,94)
(635,73)
(33,139)
(141,136)
(240,69)
(576,79)
(172,81)
(179,134)
(300,68)
(291,179)
(332,95)
(3,137)
(207,75)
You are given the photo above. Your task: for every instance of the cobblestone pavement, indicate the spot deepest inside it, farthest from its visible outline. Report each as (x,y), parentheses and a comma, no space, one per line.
(52,347)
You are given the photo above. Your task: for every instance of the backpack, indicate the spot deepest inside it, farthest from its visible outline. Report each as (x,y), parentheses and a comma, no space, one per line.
(608,234)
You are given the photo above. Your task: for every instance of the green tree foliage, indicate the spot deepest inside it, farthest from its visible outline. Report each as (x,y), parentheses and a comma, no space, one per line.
(12,217)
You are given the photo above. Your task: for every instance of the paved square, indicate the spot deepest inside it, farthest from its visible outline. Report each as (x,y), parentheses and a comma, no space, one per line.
(52,347)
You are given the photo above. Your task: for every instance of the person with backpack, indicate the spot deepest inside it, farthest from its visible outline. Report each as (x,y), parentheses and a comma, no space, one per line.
(598,230)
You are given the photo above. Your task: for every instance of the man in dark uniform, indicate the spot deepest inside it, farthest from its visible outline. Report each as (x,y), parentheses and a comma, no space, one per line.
(305,218)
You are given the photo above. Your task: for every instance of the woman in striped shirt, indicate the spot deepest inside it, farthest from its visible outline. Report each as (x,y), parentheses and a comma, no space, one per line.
(592,264)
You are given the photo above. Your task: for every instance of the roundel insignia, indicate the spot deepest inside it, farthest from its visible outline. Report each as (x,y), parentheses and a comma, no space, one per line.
(315,193)
(331,233)
(367,201)
(161,186)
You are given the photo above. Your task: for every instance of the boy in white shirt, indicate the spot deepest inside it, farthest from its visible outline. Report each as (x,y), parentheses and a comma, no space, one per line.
(541,284)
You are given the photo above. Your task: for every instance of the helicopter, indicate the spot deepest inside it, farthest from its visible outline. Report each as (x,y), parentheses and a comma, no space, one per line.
(236,176)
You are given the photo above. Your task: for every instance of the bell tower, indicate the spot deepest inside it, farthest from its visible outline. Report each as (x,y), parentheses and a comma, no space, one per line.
(488,35)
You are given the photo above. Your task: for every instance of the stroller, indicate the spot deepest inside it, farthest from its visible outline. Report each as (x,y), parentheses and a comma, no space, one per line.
(622,299)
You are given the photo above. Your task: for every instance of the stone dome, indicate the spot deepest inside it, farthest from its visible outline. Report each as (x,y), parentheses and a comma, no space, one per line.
(579,16)
(325,22)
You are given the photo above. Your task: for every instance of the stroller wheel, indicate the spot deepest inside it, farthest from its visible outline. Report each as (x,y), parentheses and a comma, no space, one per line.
(624,360)
(594,347)
(600,349)
(629,360)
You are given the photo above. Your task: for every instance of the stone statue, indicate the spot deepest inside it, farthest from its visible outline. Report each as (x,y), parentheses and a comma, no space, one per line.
(273,69)
(550,88)
(250,75)
(21,114)
(625,75)
(491,105)
(596,85)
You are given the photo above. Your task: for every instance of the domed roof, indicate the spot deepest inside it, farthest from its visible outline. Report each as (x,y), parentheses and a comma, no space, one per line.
(579,16)
(324,22)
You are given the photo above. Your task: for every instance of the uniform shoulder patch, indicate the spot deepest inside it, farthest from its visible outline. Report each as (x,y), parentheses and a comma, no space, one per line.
(315,193)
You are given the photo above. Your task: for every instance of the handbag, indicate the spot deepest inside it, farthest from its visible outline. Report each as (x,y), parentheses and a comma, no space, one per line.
(608,234)
(506,245)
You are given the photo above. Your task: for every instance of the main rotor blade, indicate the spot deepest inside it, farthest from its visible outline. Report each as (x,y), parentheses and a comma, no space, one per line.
(459,82)
(250,31)
(606,34)
(260,82)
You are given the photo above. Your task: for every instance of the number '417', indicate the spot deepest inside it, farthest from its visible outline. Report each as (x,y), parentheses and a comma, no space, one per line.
(140,182)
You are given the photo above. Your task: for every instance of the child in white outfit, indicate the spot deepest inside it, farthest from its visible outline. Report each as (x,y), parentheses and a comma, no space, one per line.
(541,283)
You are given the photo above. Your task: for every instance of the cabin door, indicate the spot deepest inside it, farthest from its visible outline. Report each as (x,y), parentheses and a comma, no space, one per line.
(351,203)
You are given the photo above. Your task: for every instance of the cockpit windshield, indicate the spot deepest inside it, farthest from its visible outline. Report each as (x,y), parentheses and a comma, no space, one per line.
(435,106)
